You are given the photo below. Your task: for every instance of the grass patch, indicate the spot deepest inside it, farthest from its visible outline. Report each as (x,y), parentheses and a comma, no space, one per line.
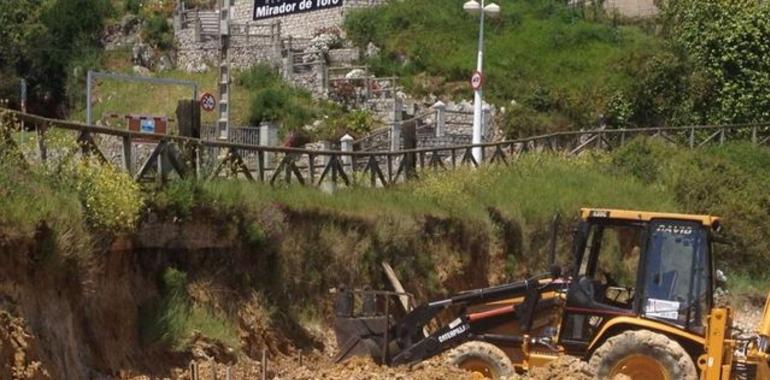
(124,98)
(174,320)
(540,53)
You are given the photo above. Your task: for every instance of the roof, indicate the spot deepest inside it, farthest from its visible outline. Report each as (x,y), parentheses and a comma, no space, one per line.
(646,216)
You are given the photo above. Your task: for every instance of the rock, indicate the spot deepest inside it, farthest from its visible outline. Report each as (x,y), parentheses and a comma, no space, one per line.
(142,55)
(372,50)
(129,24)
(164,63)
(141,70)
(355,74)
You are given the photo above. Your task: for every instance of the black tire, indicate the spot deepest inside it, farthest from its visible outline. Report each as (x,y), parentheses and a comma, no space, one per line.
(637,354)
(483,358)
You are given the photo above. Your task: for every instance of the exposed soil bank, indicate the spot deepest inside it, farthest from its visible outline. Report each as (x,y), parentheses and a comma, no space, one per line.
(81,317)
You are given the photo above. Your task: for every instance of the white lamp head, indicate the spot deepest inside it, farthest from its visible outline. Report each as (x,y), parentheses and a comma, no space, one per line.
(472,6)
(492,9)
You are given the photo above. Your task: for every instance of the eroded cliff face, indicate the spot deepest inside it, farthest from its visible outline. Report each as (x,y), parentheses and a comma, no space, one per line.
(80,316)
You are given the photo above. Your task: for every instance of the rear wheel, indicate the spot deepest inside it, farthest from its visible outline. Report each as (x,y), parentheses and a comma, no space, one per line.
(483,359)
(643,355)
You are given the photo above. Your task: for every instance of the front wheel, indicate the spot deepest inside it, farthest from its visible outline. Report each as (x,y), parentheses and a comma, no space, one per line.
(643,355)
(483,359)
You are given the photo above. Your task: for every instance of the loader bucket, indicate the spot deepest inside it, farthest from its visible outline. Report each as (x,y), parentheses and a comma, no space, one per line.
(363,321)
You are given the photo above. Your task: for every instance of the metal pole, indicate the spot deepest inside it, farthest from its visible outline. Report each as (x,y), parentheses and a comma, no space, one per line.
(477,96)
(88,97)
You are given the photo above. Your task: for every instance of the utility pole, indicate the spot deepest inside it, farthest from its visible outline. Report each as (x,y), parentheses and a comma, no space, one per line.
(223,120)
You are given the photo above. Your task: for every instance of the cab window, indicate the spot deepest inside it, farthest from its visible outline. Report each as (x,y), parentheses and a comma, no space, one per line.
(611,262)
(677,273)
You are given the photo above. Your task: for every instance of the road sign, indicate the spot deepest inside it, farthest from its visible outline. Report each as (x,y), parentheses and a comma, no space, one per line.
(208,102)
(477,80)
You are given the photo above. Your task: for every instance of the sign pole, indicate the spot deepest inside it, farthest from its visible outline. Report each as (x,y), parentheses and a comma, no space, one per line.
(223,120)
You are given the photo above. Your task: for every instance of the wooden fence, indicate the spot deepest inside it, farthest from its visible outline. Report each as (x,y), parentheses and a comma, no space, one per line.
(151,157)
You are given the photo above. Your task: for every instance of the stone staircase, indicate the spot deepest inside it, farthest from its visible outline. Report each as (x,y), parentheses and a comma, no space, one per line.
(209,21)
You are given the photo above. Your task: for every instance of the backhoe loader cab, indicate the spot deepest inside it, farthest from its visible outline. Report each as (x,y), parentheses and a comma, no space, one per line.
(636,300)
(637,264)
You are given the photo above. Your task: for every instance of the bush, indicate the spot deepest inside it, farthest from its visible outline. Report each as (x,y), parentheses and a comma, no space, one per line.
(132,6)
(273,100)
(643,158)
(157,32)
(112,200)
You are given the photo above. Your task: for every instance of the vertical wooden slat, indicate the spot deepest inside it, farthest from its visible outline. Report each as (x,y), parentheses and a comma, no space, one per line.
(41,130)
(261,165)
(127,161)
(311,167)
(692,138)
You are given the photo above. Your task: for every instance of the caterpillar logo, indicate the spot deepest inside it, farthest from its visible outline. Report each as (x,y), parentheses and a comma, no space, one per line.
(453,333)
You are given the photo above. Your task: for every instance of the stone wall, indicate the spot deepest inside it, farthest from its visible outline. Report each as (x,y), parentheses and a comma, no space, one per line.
(257,41)
(248,45)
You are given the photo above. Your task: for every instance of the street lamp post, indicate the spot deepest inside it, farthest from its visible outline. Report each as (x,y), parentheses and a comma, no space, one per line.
(492,9)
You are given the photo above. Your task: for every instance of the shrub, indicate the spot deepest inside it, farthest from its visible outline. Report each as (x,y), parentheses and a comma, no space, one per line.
(132,6)
(643,158)
(157,32)
(273,100)
(112,200)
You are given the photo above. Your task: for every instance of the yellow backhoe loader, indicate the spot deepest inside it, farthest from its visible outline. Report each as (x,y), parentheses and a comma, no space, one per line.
(636,301)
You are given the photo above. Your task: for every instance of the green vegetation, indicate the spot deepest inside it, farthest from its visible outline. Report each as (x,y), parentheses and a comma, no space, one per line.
(175,320)
(547,57)
(728,182)
(47,42)
(727,41)
(567,68)
(292,243)
(294,109)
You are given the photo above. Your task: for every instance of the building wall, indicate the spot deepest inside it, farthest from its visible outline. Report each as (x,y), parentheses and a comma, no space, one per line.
(632,8)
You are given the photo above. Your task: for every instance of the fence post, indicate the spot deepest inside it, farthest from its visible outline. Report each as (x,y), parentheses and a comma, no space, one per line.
(268,136)
(440,108)
(395,128)
(692,138)
(324,78)
(328,186)
(197,28)
(346,145)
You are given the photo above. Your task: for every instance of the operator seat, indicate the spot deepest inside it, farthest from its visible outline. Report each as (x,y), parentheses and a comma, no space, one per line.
(583,294)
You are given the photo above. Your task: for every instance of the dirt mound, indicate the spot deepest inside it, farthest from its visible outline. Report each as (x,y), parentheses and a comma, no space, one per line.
(16,351)
(564,368)
(365,369)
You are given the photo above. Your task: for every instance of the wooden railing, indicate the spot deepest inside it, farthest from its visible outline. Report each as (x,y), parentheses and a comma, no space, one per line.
(161,157)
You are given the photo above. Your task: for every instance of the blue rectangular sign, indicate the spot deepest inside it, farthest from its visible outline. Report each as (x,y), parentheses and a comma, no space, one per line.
(147,125)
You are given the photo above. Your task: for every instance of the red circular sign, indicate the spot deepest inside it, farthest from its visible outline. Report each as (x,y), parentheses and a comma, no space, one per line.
(208,102)
(477,80)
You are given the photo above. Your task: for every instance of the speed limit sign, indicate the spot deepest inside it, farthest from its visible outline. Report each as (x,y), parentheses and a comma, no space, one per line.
(208,102)
(477,80)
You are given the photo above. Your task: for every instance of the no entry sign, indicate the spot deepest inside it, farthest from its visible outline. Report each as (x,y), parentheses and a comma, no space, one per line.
(208,102)
(477,80)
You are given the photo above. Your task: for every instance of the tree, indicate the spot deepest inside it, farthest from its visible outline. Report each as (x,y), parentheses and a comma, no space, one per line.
(40,40)
(727,39)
